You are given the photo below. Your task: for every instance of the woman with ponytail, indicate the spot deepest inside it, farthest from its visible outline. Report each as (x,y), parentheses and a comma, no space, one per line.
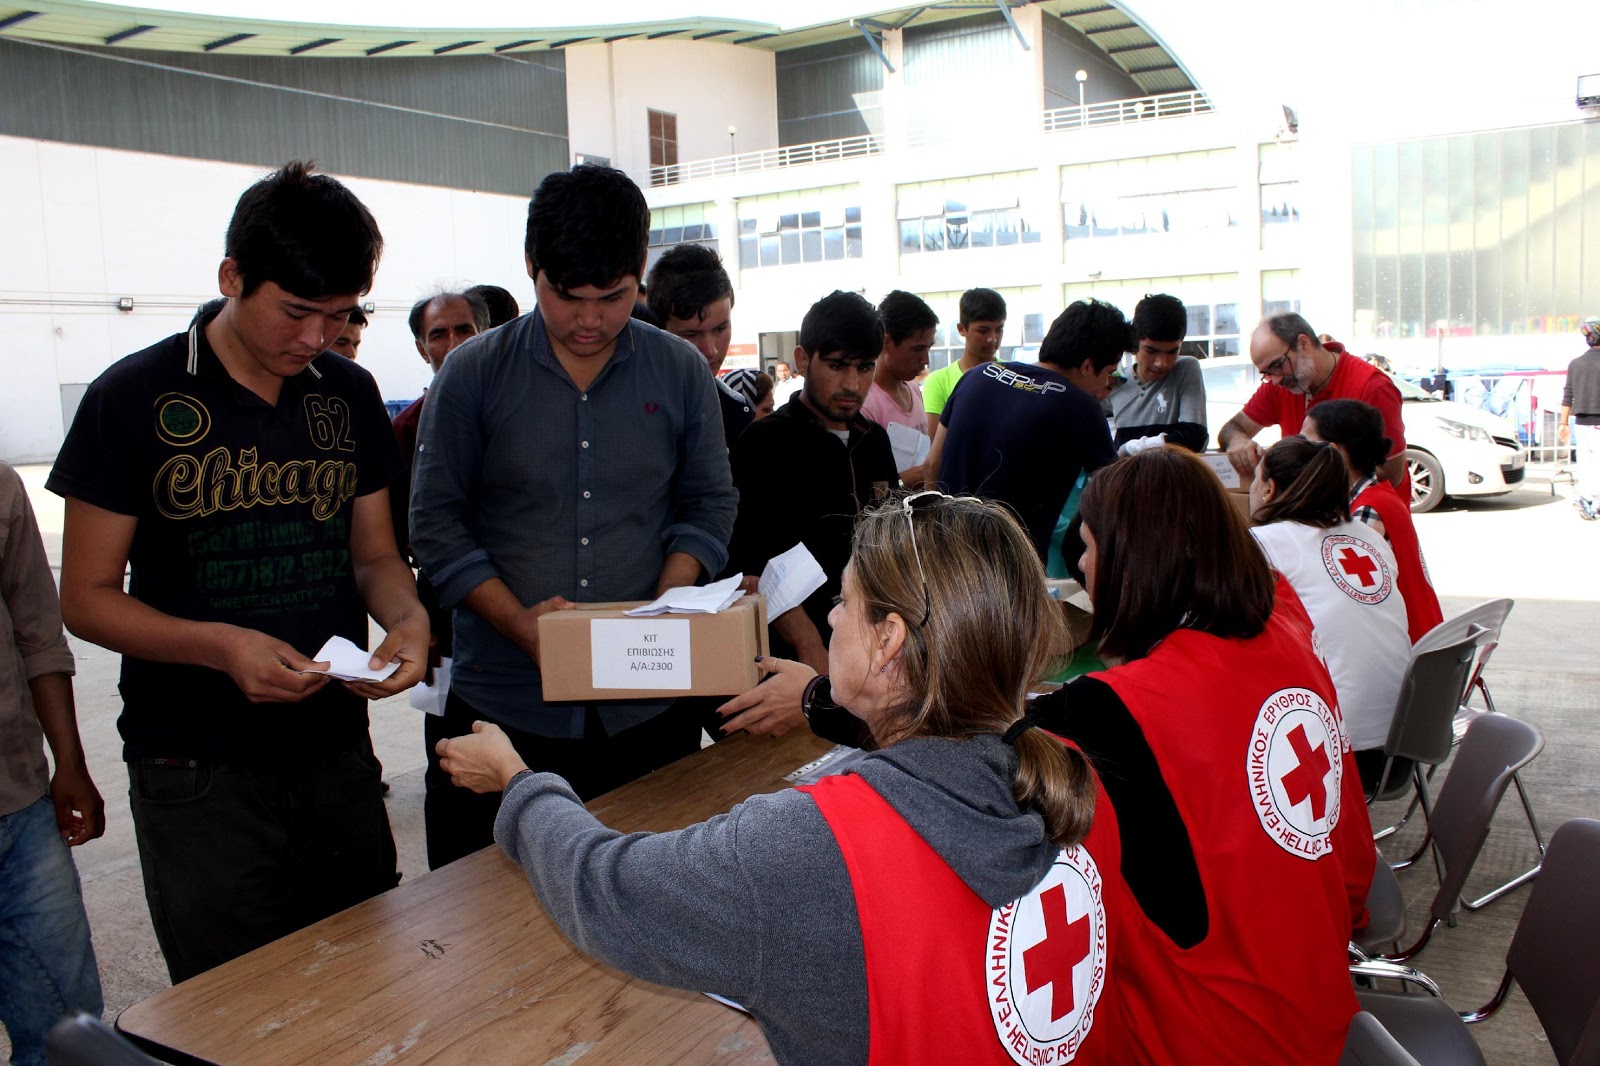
(950,899)
(1356,429)
(1345,574)
(1245,845)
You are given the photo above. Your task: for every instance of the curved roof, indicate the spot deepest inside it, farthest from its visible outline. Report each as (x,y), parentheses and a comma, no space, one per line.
(1106,23)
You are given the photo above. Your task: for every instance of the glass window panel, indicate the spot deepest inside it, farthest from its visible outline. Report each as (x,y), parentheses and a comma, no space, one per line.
(1227,318)
(788,222)
(911,235)
(933,235)
(672,235)
(852,242)
(852,214)
(811,245)
(955,232)
(749,255)
(1435,289)
(833,243)
(769,251)
(1569,228)
(1460,309)
(1226,346)
(1514,230)
(1075,220)
(809,219)
(1032,328)
(789,243)
(747,225)
(981,230)
(1199,320)
(1486,235)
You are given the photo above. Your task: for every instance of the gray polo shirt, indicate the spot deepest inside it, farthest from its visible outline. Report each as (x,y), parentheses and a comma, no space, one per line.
(1178,397)
(558,492)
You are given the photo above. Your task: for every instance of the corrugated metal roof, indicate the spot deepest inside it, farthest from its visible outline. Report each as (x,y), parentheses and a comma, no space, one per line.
(1124,38)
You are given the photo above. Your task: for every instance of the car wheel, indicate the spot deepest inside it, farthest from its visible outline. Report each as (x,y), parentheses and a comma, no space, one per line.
(1427,481)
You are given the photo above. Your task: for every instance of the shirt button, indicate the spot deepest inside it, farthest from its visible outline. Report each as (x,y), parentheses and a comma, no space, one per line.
(585,444)
(584,583)
(586,494)
(583,540)
(585,397)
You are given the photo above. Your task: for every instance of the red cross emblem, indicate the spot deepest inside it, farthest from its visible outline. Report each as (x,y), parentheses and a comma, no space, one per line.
(1358,565)
(1306,780)
(1051,961)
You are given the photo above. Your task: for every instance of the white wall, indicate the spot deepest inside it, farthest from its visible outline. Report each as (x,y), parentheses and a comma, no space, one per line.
(709,86)
(84,226)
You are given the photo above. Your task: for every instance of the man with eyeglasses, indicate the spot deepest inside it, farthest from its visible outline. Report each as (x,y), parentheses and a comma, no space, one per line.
(1299,371)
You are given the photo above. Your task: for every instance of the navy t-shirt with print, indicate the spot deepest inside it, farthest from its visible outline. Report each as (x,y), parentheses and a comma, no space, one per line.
(244,511)
(1020,434)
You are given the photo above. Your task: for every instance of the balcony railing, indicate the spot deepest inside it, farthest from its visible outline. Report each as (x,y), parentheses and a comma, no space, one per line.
(1110,113)
(1127,112)
(793,155)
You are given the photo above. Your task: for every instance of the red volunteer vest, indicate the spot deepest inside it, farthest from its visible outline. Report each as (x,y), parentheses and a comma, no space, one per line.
(1250,742)
(1422,603)
(952,980)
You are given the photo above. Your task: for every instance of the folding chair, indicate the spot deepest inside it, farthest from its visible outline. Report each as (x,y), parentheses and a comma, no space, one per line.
(1369,1044)
(1484,623)
(1420,733)
(1554,956)
(1493,750)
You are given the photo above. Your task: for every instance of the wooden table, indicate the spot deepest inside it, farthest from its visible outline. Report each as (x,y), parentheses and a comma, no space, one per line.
(461,965)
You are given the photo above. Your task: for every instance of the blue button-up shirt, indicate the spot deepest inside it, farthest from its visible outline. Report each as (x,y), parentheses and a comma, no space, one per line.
(560,492)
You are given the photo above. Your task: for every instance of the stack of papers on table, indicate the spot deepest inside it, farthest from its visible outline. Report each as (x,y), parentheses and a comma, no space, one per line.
(691,599)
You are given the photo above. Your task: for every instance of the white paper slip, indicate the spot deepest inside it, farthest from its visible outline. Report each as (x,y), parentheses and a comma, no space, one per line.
(790,578)
(429,699)
(1220,462)
(641,653)
(910,446)
(346,662)
(692,599)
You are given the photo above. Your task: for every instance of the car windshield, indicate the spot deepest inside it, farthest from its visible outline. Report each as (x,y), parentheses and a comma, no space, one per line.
(1410,393)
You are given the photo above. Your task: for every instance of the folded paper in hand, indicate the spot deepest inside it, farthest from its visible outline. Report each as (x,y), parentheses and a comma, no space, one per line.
(346,662)
(689,599)
(910,446)
(790,578)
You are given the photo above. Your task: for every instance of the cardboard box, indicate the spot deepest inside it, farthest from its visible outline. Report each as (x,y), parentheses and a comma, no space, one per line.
(1240,498)
(1075,607)
(596,652)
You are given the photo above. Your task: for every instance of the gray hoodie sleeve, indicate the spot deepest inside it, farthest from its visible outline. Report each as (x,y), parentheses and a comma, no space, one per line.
(754,904)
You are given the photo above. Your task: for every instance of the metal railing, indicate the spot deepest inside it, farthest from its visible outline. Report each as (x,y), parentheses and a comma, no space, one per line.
(1127,112)
(793,155)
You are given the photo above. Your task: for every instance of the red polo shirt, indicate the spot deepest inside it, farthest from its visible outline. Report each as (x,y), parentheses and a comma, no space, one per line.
(1353,379)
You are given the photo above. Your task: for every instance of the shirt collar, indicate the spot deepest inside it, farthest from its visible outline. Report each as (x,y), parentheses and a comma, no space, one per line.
(1363,485)
(202,361)
(545,354)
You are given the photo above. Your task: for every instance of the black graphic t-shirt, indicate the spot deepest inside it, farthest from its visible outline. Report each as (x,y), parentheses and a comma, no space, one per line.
(244,512)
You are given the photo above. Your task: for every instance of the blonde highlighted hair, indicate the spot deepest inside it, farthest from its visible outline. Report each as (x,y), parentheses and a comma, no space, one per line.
(980,635)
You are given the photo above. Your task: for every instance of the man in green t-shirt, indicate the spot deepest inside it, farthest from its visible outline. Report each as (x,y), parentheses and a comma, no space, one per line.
(982,321)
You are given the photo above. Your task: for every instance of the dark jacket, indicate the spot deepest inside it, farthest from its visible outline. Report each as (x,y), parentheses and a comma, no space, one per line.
(798,481)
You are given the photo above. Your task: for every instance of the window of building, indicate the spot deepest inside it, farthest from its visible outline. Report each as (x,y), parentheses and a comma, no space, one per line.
(685,224)
(1025,325)
(1482,234)
(1212,301)
(804,226)
(991,211)
(1183,193)
(663,139)
(1280,291)
(1279,174)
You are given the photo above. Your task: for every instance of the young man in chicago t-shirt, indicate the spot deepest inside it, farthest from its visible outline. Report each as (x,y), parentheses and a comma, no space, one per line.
(242,471)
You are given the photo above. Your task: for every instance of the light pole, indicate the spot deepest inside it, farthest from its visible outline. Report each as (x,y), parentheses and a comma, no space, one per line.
(1083,115)
(732,132)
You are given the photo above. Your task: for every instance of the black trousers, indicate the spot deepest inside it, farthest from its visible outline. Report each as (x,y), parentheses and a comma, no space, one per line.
(460,821)
(236,856)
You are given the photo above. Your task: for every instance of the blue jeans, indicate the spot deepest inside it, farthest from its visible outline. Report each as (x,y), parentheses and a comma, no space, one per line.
(47,967)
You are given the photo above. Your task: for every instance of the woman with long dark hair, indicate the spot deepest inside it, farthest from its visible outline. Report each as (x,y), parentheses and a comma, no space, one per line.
(1356,429)
(1245,841)
(1346,576)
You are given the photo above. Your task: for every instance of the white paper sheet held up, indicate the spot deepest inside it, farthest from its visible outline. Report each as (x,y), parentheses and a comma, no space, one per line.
(689,599)
(346,662)
(790,578)
(910,447)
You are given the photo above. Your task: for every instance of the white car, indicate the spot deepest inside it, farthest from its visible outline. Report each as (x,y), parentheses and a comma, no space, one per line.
(1451,449)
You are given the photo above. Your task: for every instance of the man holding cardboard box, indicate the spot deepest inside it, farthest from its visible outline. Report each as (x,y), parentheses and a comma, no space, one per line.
(571,455)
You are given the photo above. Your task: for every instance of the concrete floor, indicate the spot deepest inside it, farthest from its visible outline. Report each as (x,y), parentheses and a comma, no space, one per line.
(1529,545)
